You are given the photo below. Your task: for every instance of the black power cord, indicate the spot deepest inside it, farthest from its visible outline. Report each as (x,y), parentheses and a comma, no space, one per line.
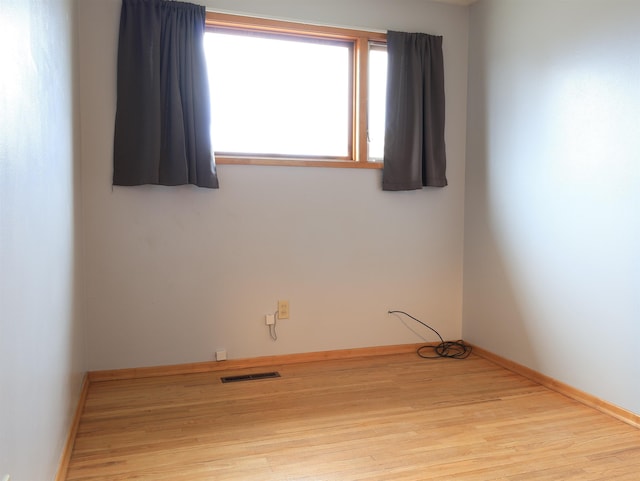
(451,349)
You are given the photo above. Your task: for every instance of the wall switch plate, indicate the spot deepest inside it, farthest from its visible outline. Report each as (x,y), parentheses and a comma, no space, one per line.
(270,319)
(283,309)
(221,355)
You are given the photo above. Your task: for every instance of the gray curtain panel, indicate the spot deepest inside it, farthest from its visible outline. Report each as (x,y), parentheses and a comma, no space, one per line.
(162,124)
(414,148)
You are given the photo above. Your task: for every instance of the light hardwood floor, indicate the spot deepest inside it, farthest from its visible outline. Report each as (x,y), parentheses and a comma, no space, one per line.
(395,417)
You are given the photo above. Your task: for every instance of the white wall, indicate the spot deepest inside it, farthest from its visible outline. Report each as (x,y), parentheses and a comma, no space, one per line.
(552,264)
(41,356)
(174,273)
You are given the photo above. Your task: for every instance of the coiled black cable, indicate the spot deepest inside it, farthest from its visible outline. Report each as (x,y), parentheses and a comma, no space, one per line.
(451,349)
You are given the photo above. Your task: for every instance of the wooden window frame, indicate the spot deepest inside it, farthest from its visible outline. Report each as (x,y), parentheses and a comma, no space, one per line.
(360,40)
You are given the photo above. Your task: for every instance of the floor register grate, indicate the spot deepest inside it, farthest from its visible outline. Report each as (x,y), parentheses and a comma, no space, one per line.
(250,377)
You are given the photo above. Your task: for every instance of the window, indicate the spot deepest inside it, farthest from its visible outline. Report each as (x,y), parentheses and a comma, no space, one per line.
(280,95)
(376,105)
(292,94)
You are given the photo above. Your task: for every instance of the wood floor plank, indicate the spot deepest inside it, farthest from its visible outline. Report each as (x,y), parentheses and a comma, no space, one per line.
(395,417)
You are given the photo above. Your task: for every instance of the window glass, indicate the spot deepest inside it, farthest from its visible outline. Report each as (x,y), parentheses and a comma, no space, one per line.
(279,95)
(377,100)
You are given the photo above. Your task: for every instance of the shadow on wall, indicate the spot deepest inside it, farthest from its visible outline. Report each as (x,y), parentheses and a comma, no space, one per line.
(493,314)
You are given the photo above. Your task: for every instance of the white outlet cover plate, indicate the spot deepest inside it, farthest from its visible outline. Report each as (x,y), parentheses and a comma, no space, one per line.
(221,355)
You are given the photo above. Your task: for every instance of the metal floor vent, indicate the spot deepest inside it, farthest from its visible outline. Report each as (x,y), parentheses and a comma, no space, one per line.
(250,377)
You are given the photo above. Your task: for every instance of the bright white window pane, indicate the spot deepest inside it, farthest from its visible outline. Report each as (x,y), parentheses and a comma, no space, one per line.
(278,96)
(377,101)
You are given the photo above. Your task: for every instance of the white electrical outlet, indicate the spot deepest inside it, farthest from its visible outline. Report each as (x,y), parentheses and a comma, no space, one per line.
(270,319)
(221,355)
(283,309)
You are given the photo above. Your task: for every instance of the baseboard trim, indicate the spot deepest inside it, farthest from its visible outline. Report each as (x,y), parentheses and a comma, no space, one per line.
(246,363)
(562,388)
(63,466)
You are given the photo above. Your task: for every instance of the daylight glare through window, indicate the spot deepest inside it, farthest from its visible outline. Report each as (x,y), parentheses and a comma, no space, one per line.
(377,100)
